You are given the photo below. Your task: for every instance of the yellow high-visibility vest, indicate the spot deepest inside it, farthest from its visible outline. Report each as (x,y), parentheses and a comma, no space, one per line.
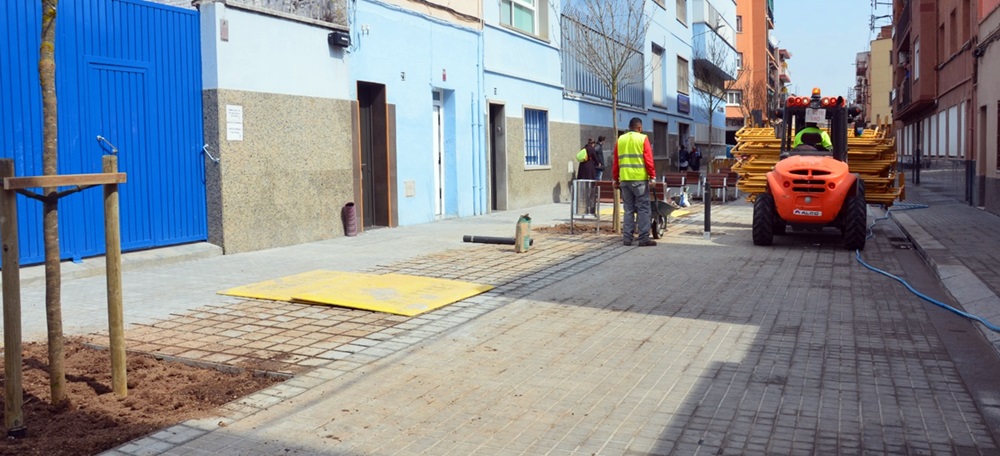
(631,167)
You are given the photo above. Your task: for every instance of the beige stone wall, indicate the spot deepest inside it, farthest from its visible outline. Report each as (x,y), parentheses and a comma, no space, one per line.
(286,181)
(543,185)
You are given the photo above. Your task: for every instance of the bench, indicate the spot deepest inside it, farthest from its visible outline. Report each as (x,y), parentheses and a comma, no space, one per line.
(722,181)
(659,191)
(693,181)
(606,192)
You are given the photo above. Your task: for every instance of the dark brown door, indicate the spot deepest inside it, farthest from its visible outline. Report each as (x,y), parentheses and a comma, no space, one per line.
(375,183)
(498,158)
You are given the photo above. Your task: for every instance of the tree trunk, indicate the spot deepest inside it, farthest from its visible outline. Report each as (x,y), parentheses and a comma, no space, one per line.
(616,213)
(50,222)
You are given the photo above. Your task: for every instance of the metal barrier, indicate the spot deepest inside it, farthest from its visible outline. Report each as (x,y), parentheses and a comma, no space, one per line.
(584,201)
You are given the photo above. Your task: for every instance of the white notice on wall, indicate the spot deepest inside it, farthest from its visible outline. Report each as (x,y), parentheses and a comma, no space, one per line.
(234,131)
(234,113)
(234,123)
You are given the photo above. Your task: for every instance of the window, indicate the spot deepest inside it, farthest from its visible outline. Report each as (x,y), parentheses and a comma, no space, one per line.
(661,3)
(966,20)
(739,23)
(739,60)
(734,97)
(953,25)
(916,59)
(536,137)
(519,14)
(657,69)
(683,81)
(682,11)
(941,43)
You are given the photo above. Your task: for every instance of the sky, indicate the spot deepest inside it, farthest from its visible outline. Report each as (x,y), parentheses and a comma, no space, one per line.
(824,38)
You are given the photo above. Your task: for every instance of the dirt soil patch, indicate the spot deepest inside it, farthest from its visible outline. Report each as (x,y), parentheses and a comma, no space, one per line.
(160,394)
(578,228)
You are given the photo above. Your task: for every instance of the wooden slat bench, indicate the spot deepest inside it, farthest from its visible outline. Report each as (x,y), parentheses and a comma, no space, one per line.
(722,181)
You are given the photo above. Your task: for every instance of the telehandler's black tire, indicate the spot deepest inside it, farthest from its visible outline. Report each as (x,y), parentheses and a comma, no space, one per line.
(855,229)
(764,216)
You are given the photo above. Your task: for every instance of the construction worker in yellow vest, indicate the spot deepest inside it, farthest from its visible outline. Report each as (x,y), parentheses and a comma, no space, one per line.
(632,170)
(812,128)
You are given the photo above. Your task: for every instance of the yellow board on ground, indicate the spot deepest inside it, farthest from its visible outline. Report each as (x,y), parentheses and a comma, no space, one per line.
(398,294)
(285,288)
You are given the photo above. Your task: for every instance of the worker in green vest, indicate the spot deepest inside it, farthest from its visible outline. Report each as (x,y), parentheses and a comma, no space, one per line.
(811,130)
(632,170)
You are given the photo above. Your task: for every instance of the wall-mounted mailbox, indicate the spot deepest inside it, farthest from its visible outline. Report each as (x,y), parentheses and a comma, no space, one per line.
(339,39)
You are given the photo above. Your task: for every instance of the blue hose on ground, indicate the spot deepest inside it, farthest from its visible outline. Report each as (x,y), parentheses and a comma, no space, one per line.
(929,299)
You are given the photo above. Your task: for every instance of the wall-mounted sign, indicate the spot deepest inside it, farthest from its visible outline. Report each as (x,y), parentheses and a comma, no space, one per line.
(683,104)
(234,123)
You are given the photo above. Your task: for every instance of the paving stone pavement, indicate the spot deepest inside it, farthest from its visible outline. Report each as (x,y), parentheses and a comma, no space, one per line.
(701,345)
(290,338)
(960,242)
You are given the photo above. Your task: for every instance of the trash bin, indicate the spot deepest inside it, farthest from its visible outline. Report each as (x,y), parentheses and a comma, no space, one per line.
(584,197)
(349,217)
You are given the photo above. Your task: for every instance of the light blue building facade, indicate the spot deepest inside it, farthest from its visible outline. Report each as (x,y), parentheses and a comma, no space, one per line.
(429,68)
(411,111)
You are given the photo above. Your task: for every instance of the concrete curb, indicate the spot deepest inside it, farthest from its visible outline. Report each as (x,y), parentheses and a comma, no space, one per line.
(961,283)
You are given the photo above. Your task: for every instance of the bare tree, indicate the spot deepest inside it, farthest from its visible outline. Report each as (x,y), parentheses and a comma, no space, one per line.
(753,94)
(714,66)
(50,220)
(607,37)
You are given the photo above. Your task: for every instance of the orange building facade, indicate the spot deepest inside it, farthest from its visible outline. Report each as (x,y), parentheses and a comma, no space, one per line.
(763,69)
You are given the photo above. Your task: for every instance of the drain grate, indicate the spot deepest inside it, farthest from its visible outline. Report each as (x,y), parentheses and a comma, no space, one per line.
(900,243)
(702,233)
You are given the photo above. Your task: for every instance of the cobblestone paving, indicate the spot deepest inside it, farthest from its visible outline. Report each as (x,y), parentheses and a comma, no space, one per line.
(290,338)
(698,346)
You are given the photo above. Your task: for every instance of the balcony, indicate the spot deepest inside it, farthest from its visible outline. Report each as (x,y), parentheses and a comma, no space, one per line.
(861,64)
(707,20)
(902,29)
(903,98)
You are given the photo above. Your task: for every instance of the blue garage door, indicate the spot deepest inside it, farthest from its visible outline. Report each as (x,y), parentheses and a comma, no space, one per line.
(127,71)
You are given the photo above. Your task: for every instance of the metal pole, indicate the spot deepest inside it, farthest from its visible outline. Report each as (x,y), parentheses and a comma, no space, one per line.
(707,198)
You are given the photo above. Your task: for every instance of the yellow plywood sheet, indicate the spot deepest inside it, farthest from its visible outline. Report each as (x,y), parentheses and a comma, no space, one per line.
(284,288)
(391,293)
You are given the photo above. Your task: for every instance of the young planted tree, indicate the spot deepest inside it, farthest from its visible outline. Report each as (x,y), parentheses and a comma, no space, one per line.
(50,221)
(714,67)
(607,37)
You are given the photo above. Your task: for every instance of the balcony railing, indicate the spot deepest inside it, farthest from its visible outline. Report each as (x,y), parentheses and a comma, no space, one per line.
(580,81)
(903,21)
(903,96)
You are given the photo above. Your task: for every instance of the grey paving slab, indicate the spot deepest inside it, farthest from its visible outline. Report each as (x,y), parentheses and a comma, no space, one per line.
(701,345)
(697,346)
(162,282)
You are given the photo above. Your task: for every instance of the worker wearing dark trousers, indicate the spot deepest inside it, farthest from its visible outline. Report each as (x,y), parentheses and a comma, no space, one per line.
(632,170)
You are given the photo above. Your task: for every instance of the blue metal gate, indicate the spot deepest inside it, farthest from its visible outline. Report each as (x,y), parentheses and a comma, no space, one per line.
(128,71)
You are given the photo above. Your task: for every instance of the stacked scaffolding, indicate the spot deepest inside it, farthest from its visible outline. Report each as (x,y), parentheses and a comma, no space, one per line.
(872,155)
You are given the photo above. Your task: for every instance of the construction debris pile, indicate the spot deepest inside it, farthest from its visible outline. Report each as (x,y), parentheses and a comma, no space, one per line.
(872,155)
